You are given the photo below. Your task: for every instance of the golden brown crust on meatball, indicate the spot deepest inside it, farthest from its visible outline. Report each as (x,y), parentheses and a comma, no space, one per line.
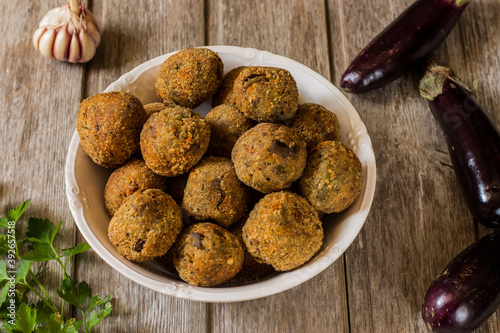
(266,94)
(207,255)
(214,192)
(315,123)
(146,225)
(269,157)
(174,140)
(126,180)
(189,77)
(109,125)
(332,178)
(283,230)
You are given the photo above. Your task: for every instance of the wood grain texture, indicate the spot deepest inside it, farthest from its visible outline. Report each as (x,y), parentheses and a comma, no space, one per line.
(36,122)
(419,220)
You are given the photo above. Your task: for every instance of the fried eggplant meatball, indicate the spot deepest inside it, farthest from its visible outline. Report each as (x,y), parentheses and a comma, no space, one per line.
(269,157)
(146,225)
(283,230)
(227,124)
(154,107)
(174,140)
(207,255)
(109,125)
(225,94)
(266,94)
(315,123)
(126,180)
(214,192)
(332,178)
(189,77)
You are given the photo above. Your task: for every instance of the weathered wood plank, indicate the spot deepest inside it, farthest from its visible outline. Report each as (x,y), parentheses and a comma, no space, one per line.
(131,35)
(37,119)
(295,29)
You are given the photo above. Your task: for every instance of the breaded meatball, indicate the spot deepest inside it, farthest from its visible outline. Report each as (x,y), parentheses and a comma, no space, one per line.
(214,192)
(207,255)
(146,225)
(283,230)
(332,178)
(266,94)
(269,157)
(126,180)
(225,94)
(173,140)
(315,123)
(153,108)
(227,124)
(189,77)
(109,125)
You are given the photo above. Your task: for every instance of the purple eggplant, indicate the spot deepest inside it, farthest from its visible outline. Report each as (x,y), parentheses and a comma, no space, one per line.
(467,292)
(407,40)
(473,142)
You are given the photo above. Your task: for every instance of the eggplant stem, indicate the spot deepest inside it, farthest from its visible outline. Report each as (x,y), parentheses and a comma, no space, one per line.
(431,85)
(74,6)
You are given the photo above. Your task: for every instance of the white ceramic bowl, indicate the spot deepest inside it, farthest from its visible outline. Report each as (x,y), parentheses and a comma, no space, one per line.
(85,183)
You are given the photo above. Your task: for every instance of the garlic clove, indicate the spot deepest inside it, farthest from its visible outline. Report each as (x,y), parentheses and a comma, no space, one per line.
(74,49)
(61,42)
(36,37)
(46,43)
(93,31)
(88,46)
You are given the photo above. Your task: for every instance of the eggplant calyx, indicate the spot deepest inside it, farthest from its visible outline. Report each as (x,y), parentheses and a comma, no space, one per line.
(431,85)
(461,2)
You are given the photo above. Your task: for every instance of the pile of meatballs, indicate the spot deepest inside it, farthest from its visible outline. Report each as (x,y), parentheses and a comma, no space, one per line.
(231,196)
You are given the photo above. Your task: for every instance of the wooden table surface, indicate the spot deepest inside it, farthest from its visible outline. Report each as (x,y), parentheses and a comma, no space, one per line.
(418,220)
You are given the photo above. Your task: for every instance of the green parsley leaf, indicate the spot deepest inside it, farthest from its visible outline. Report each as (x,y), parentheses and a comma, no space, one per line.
(43,312)
(95,317)
(41,252)
(39,229)
(4,244)
(3,271)
(82,247)
(96,301)
(25,319)
(54,231)
(23,269)
(75,294)
(5,328)
(4,292)
(14,214)
(55,325)
(4,222)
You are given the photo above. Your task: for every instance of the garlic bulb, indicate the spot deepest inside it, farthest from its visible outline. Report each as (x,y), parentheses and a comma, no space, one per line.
(68,33)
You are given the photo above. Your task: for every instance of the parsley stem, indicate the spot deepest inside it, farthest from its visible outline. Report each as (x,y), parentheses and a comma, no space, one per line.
(52,305)
(48,301)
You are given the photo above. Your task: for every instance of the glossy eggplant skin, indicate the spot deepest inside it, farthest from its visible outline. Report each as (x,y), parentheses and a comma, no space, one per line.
(473,142)
(407,40)
(467,292)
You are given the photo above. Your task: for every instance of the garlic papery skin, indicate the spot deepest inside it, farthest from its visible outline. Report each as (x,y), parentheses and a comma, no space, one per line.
(68,33)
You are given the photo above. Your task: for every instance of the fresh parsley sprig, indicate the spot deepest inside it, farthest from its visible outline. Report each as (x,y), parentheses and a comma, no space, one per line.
(20,276)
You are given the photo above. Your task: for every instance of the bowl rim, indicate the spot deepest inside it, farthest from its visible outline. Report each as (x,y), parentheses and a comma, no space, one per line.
(277,283)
